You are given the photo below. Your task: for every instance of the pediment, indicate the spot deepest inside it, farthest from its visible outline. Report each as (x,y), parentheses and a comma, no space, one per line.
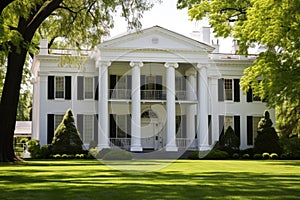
(155,38)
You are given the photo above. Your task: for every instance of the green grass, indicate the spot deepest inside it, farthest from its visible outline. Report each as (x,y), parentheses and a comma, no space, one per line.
(182,179)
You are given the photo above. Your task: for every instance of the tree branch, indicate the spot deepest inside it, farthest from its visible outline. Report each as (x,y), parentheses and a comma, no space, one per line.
(4,4)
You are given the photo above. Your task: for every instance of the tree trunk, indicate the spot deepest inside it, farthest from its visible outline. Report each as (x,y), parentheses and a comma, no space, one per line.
(9,103)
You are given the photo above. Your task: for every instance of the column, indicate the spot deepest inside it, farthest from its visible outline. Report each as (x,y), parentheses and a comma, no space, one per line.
(214,108)
(103,137)
(202,117)
(136,135)
(191,108)
(171,107)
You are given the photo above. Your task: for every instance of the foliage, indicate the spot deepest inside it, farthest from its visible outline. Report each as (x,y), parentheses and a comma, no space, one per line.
(267,139)
(229,139)
(118,155)
(257,156)
(45,151)
(102,153)
(274,156)
(34,148)
(266,155)
(235,156)
(93,152)
(217,154)
(273,25)
(66,139)
(249,151)
(246,156)
(291,147)
(194,155)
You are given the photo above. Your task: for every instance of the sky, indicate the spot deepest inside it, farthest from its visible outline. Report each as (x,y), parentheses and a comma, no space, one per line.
(167,16)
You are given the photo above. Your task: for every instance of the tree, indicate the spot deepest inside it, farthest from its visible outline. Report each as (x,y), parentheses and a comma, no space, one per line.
(267,139)
(229,141)
(66,138)
(81,23)
(274,75)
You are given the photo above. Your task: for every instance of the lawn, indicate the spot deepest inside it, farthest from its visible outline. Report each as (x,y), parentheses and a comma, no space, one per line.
(150,179)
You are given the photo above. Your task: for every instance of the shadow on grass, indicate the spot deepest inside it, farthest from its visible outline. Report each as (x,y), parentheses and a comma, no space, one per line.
(85,180)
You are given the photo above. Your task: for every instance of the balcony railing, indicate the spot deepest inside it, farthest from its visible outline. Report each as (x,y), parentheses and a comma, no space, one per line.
(123,143)
(152,94)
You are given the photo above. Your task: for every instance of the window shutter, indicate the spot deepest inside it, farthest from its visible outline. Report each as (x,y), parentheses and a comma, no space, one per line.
(249,95)
(96,87)
(183,125)
(221,124)
(96,128)
(50,87)
(68,91)
(50,128)
(209,130)
(113,80)
(237,127)
(112,123)
(221,89)
(196,126)
(236,90)
(129,82)
(143,86)
(249,130)
(128,121)
(80,87)
(80,125)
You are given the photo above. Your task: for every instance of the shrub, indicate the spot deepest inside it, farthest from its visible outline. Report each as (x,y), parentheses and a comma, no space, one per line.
(34,148)
(118,155)
(257,156)
(57,156)
(266,155)
(274,156)
(93,144)
(79,156)
(217,154)
(45,151)
(246,156)
(249,151)
(235,156)
(66,138)
(229,141)
(64,156)
(93,152)
(102,153)
(291,147)
(194,155)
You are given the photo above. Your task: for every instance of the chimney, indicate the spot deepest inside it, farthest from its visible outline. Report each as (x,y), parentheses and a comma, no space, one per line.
(216,46)
(235,47)
(206,35)
(43,47)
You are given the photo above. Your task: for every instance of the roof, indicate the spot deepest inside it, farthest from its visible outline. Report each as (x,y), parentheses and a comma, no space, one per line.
(23,128)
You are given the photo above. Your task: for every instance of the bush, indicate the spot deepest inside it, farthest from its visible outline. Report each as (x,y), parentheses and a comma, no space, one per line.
(57,156)
(64,156)
(274,156)
(291,147)
(257,156)
(266,155)
(45,151)
(249,151)
(229,141)
(93,152)
(246,156)
(118,155)
(34,148)
(235,156)
(79,156)
(217,154)
(194,155)
(102,153)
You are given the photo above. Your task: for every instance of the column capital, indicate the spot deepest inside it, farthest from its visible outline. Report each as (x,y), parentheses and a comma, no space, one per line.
(174,65)
(136,64)
(102,63)
(191,72)
(201,66)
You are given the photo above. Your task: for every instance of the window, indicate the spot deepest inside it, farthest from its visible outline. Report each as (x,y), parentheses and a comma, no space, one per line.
(88,124)
(251,97)
(88,88)
(252,127)
(59,87)
(181,126)
(228,121)
(120,126)
(229,90)
(52,123)
(57,120)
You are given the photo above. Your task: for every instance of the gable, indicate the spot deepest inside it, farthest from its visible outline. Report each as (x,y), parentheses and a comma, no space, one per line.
(155,38)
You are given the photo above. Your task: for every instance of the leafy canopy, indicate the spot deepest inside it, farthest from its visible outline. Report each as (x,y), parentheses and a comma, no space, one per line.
(272,24)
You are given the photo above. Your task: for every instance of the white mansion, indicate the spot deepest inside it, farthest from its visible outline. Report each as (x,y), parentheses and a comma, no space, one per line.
(154,89)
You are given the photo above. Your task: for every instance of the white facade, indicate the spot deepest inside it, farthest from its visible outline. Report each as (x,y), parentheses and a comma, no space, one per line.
(154,89)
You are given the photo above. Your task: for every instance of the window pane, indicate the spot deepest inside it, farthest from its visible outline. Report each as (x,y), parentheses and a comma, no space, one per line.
(88,88)
(255,124)
(57,120)
(121,124)
(228,121)
(88,129)
(59,86)
(228,89)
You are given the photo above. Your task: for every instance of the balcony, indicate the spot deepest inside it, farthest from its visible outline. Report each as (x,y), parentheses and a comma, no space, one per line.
(151,95)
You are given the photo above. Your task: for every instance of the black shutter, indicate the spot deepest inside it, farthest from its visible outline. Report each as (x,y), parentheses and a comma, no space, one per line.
(96,128)
(196,126)
(50,128)
(249,130)
(80,89)
(221,89)
(183,125)
(236,90)
(80,125)
(143,86)
(96,87)
(249,95)
(113,81)
(128,119)
(129,82)
(237,127)
(209,130)
(221,124)
(112,126)
(50,87)
(68,90)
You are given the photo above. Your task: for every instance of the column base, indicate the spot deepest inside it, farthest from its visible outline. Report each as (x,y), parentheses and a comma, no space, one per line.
(171,148)
(204,148)
(136,149)
(103,146)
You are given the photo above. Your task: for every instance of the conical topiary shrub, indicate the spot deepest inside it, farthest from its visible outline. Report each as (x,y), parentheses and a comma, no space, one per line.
(66,139)
(229,140)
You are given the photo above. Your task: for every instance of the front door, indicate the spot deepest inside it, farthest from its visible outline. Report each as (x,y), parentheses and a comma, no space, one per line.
(148,138)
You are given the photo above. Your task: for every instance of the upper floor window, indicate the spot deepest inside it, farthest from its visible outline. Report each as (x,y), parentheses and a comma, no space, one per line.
(59,87)
(251,97)
(86,86)
(229,90)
